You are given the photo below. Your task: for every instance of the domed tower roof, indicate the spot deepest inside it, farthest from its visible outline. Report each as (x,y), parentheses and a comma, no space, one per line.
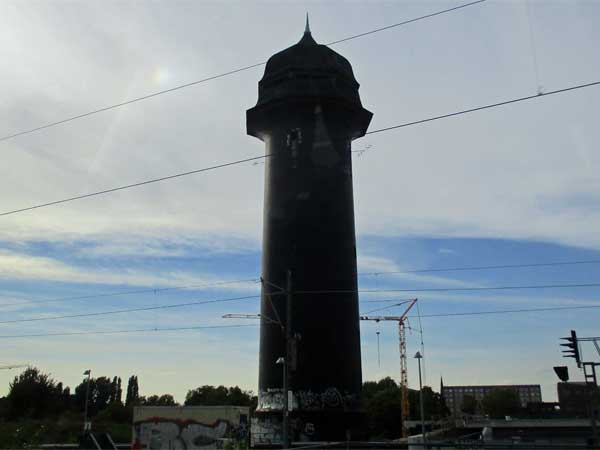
(307,74)
(308,69)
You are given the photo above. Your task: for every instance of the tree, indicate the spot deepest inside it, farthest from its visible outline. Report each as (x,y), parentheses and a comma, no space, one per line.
(133,392)
(501,402)
(33,394)
(155,400)
(469,405)
(99,394)
(220,395)
(383,405)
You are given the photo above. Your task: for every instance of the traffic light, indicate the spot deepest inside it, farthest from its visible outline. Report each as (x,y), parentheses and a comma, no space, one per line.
(572,348)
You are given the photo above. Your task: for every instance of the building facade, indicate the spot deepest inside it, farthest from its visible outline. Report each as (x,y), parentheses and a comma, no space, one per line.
(454,395)
(573,398)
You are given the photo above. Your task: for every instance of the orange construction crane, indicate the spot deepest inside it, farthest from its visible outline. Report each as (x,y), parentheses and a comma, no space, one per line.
(403,365)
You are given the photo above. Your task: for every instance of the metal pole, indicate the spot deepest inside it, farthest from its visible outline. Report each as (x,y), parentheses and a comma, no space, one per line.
(87,395)
(285,437)
(286,372)
(378,354)
(591,388)
(422,408)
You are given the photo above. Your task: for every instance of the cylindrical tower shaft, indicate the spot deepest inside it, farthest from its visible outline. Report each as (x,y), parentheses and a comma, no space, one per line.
(307,115)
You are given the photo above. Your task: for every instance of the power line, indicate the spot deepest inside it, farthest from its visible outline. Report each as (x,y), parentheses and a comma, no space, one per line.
(130,310)
(257,279)
(509,311)
(116,294)
(485,288)
(341,291)
(405,22)
(221,75)
(469,313)
(141,330)
(141,183)
(492,105)
(469,268)
(241,161)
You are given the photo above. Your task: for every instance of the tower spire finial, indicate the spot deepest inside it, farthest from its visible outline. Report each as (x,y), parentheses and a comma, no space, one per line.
(307,28)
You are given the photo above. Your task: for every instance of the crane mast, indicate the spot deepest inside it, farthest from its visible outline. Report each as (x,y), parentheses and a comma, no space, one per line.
(403,362)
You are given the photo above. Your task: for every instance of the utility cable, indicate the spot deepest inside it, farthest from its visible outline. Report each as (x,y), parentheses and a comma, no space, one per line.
(485,288)
(470,268)
(251,280)
(342,291)
(221,75)
(510,311)
(476,313)
(132,292)
(129,310)
(140,330)
(479,108)
(241,161)
(128,186)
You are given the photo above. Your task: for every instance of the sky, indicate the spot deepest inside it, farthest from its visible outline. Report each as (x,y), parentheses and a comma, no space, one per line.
(511,185)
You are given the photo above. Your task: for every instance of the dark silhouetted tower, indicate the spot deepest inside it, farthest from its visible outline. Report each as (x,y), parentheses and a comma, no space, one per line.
(308,112)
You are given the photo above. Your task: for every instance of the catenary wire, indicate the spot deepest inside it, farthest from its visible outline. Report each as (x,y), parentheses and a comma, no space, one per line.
(510,311)
(469,268)
(483,288)
(491,105)
(468,313)
(264,156)
(140,330)
(141,183)
(130,310)
(241,161)
(332,291)
(222,75)
(250,280)
(131,292)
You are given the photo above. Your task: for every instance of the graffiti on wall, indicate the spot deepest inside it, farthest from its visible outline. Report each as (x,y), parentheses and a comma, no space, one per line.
(174,434)
(330,398)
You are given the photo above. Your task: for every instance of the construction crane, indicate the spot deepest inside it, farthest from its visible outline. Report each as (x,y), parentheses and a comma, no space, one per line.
(401,319)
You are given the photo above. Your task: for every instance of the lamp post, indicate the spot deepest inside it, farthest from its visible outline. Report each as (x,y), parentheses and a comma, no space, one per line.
(86,426)
(418,356)
(285,441)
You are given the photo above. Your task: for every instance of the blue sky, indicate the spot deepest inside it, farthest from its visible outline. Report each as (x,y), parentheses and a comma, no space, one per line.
(511,185)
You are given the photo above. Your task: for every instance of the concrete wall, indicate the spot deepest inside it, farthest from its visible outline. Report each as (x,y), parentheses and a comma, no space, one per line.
(187,427)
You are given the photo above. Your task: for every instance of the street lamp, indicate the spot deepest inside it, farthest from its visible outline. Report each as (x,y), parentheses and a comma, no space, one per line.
(86,425)
(285,442)
(418,356)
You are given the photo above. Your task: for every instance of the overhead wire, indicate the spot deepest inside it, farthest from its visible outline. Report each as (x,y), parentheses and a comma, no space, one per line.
(120,293)
(468,313)
(482,288)
(132,185)
(140,330)
(222,75)
(511,311)
(300,292)
(129,310)
(480,108)
(241,161)
(492,267)
(257,279)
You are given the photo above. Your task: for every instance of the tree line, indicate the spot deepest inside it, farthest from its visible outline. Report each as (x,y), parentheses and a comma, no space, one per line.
(36,395)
